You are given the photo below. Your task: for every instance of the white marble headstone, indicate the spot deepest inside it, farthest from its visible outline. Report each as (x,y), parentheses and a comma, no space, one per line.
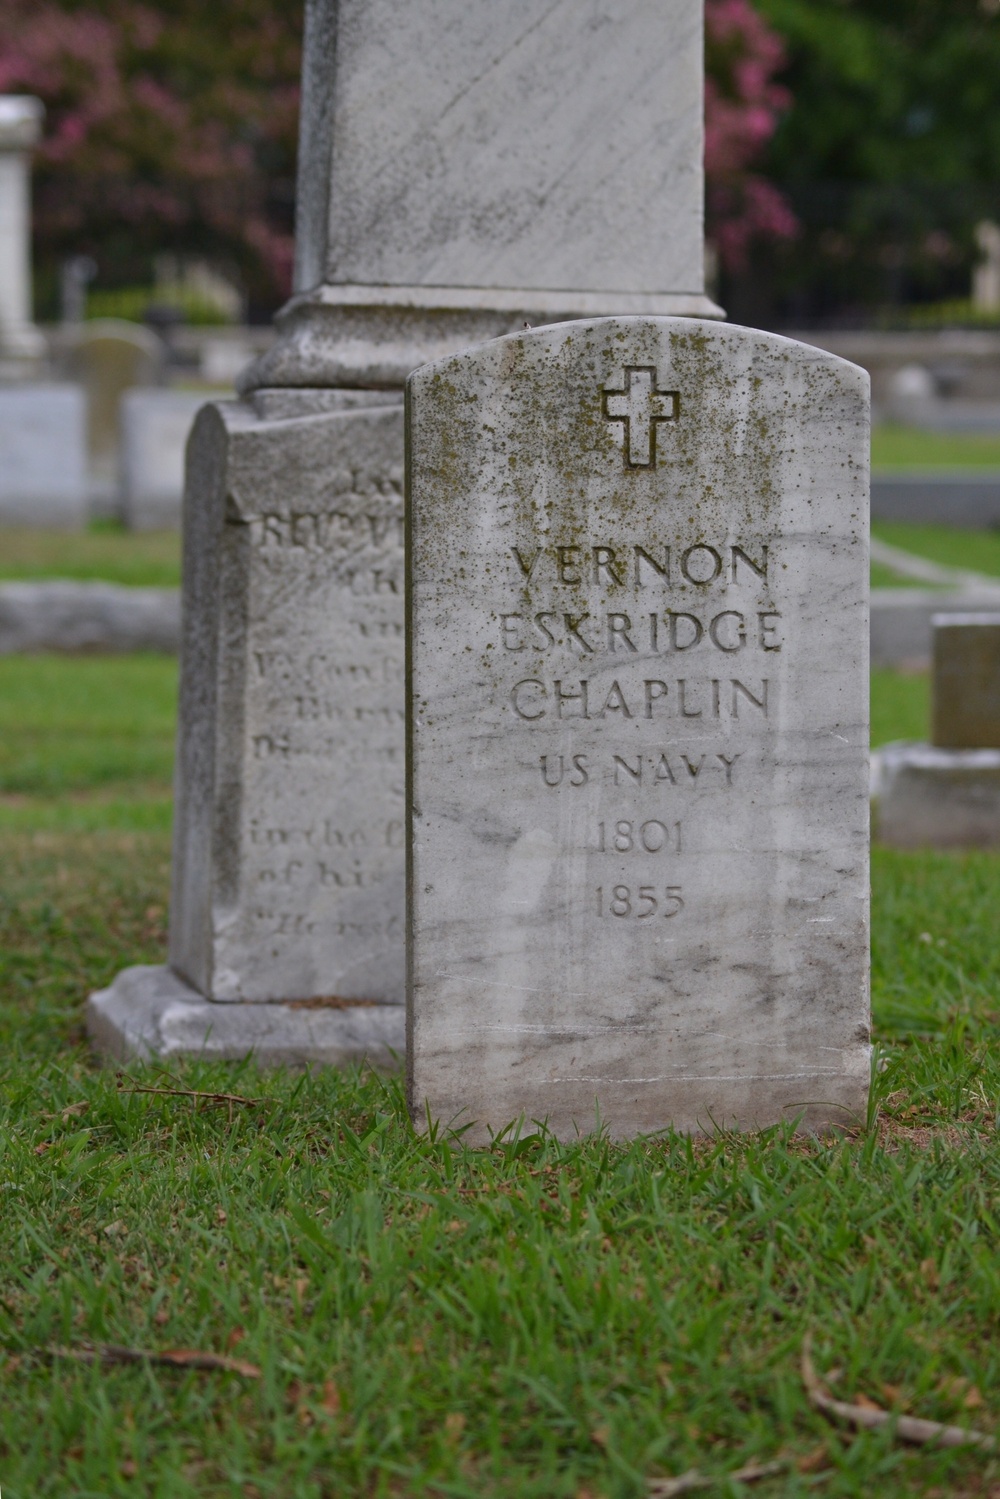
(638,699)
(289,815)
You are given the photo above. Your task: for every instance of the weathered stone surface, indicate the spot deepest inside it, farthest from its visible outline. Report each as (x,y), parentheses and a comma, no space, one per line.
(927,797)
(639,782)
(288,848)
(68,616)
(965,696)
(466,168)
(155,425)
(43,477)
(150,1012)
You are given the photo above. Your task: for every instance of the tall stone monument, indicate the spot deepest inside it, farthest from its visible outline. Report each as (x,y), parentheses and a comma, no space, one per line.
(465,168)
(20,126)
(638,634)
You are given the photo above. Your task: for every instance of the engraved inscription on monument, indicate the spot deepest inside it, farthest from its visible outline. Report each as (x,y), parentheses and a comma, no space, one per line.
(290,822)
(639,730)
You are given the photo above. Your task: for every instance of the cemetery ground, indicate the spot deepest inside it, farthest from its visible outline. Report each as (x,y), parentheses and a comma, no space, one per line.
(395,1314)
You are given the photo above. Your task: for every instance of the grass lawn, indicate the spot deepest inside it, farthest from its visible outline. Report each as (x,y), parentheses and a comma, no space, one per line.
(895,447)
(409,1317)
(105,551)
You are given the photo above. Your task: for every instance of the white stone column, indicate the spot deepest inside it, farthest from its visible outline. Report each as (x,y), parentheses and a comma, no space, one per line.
(20,127)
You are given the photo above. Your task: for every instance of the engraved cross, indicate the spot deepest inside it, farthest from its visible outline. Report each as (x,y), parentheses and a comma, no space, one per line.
(639,406)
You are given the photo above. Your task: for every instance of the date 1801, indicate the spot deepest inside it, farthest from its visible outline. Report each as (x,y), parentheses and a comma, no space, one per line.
(641,902)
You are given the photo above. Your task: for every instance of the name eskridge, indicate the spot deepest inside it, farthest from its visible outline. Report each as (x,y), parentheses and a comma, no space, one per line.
(711,570)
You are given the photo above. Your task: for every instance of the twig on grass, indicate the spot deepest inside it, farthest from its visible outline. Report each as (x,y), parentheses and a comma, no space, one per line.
(227,1098)
(174,1358)
(871,1417)
(686,1483)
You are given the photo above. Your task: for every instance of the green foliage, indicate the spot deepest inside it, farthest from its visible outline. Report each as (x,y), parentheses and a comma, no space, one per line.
(889,155)
(133,302)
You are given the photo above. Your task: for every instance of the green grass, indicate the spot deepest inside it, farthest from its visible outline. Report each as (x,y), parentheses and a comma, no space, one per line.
(104,552)
(900,705)
(914,448)
(86,743)
(538,1321)
(976,551)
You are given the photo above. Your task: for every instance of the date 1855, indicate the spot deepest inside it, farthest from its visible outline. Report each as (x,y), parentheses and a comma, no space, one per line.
(641,902)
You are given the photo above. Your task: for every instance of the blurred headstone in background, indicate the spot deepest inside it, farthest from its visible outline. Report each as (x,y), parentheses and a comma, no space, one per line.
(986,276)
(154,427)
(110,356)
(22,346)
(946,794)
(43,475)
(75,275)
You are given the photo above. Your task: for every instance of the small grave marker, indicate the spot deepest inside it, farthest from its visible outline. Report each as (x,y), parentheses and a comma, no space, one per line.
(638,727)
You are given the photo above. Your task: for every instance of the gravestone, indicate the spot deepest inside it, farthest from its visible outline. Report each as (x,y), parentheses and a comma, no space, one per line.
(637,594)
(155,425)
(452,185)
(21,343)
(43,477)
(110,356)
(946,794)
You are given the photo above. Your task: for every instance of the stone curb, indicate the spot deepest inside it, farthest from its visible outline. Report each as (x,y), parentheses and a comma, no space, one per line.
(102,617)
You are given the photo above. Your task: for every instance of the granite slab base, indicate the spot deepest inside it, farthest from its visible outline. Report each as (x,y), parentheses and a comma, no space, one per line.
(149,1012)
(925,797)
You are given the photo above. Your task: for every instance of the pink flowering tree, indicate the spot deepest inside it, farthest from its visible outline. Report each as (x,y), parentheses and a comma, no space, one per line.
(742,108)
(169,125)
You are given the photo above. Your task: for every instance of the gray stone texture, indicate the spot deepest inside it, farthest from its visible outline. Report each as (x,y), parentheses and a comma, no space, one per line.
(62,615)
(150,1012)
(288,846)
(965,698)
(638,879)
(464,168)
(43,476)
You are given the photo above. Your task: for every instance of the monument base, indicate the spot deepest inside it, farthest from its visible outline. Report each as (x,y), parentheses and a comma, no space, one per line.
(926,797)
(149,1012)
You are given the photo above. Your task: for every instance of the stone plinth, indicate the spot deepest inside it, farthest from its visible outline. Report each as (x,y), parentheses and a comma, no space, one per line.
(937,798)
(638,635)
(149,1012)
